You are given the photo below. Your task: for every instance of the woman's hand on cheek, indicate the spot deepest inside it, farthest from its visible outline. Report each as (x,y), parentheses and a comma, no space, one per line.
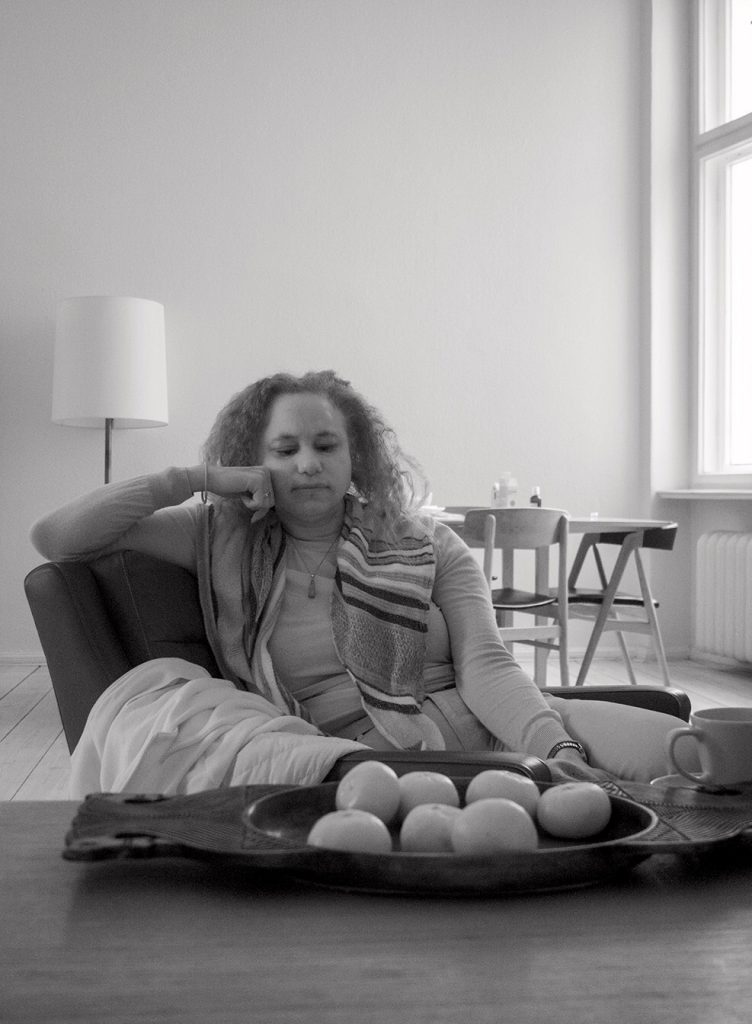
(252,484)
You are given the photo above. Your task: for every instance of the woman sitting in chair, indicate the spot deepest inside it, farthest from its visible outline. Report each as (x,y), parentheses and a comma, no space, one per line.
(340,617)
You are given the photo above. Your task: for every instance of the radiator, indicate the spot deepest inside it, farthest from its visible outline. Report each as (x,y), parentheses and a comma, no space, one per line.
(724,595)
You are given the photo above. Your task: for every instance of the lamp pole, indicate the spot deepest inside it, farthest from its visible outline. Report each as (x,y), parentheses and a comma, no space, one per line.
(107,447)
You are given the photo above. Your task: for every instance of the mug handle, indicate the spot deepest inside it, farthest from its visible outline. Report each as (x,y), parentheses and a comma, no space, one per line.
(671,743)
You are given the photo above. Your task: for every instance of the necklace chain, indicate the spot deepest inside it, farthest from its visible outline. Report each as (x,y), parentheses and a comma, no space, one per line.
(314,574)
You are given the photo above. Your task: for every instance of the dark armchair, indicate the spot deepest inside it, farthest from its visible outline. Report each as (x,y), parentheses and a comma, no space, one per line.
(96,620)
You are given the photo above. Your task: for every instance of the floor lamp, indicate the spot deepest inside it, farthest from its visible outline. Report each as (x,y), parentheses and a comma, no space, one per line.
(110,366)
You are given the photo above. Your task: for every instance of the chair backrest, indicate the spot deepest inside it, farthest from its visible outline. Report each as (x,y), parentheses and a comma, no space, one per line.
(516,529)
(98,619)
(657,537)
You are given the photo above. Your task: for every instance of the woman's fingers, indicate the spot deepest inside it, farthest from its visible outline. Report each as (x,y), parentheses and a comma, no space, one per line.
(252,484)
(259,496)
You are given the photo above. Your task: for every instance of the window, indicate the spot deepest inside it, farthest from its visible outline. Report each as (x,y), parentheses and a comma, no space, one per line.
(723,203)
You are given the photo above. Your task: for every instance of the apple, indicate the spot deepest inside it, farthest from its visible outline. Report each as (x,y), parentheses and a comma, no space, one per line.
(369,786)
(574,810)
(428,829)
(353,830)
(493,825)
(426,788)
(511,785)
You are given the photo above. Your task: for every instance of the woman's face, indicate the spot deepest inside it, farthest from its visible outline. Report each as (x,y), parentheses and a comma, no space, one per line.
(306,449)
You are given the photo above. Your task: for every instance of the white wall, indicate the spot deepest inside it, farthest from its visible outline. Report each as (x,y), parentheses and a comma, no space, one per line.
(441,199)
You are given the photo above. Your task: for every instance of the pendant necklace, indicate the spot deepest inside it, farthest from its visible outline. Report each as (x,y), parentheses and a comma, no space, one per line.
(314,574)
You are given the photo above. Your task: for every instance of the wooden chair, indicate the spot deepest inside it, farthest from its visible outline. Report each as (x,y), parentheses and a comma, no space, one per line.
(509,530)
(603,605)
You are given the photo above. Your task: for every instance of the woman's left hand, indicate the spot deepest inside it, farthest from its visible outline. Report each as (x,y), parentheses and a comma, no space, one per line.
(568,766)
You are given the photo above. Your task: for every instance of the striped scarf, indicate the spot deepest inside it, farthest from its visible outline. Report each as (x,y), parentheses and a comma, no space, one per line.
(380,605)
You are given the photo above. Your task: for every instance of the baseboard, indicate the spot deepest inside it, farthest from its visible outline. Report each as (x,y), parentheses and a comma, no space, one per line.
(713,660)
(22,658)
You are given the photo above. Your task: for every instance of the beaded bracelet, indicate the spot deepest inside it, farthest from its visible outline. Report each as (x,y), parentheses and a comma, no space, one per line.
(568,745)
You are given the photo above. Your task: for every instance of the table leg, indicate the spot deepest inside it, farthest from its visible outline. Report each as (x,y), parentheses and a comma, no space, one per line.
(631,542)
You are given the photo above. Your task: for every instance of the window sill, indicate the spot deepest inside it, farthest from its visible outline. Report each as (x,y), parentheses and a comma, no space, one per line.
(709,494)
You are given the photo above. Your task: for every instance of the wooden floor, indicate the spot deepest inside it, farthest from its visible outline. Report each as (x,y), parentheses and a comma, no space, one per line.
(34,759)
(33,752)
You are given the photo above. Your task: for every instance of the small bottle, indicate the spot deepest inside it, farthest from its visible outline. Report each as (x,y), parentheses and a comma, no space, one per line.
(504,493)
(535,497)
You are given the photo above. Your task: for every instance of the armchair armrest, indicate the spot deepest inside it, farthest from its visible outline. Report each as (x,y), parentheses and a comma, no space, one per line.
(667,699)
(83,652)
(459,765)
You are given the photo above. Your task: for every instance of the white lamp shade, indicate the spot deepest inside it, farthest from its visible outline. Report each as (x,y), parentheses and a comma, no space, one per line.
(110,363)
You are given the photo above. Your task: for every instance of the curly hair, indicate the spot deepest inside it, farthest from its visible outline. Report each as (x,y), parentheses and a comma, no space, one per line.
(389,481)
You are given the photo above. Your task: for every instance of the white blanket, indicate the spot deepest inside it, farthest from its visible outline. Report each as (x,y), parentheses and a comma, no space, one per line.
(168,727)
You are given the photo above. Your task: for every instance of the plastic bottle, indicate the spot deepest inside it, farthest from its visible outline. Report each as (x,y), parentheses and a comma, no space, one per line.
(504,494)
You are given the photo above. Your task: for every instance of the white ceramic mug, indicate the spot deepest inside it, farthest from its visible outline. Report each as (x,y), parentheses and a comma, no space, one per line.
(724,745)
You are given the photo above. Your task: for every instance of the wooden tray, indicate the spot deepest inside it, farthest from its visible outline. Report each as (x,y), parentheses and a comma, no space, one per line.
(264,828)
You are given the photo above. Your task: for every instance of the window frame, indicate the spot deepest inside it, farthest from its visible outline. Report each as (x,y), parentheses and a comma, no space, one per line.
(713,151)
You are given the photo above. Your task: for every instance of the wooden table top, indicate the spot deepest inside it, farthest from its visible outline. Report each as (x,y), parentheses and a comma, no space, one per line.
(577,524)
(180,941)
